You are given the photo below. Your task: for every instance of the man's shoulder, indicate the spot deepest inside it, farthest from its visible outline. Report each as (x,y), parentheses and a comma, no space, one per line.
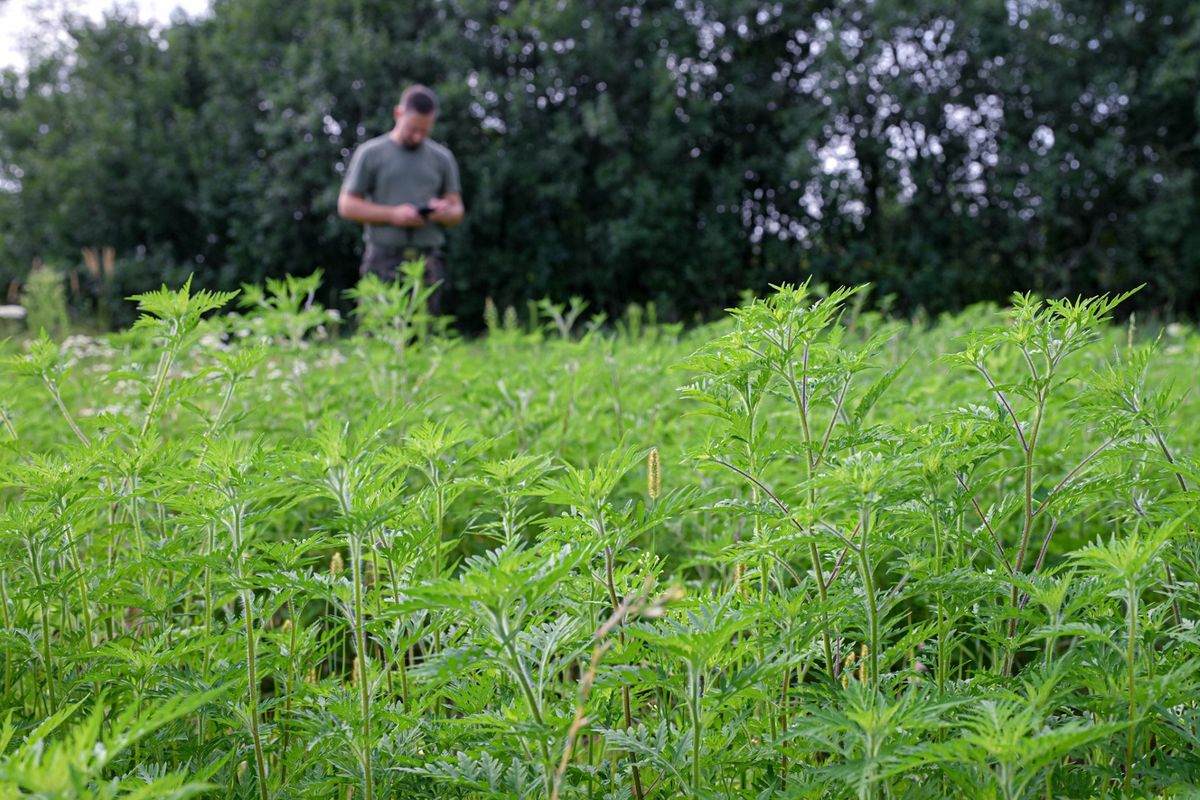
(374,145)
(439,150)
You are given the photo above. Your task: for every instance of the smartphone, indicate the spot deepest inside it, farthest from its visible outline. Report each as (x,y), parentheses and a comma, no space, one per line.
(424,211)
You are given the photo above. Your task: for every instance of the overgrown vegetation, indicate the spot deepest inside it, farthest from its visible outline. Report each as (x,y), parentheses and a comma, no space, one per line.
(805,552)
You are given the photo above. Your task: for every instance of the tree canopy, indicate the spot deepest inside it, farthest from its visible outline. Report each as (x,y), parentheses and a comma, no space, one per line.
(676,152)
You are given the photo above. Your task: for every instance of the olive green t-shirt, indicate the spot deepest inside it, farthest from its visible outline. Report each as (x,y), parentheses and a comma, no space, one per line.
(390,174)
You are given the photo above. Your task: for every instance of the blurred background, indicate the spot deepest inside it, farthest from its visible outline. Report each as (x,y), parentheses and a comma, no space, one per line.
(676,152)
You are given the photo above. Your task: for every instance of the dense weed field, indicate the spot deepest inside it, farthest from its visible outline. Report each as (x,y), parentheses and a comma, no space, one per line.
(806,552)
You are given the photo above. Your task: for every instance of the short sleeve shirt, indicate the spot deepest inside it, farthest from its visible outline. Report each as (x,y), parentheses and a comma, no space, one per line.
(390,174)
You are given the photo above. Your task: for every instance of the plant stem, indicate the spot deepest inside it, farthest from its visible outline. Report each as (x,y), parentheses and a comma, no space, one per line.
(871,602)
(1131,655)
(697,724)
(1027,525)
(8,426)
(1176,612)
(210,548)
(783,724)
(626,699)
(987,525)
(289,689)
(1004,401)
(81,584)
(138,535)
(402,654)
(800,398)
(518,669)
(1087,460)
(439,512)
(160,381)
(8,626)
(235,527)
(252,681)
(939,598)
(66,414)
(36,566)
(360,636)
(384,661)
(1026,529)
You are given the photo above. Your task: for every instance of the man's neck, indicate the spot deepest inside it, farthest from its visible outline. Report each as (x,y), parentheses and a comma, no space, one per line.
(395,136)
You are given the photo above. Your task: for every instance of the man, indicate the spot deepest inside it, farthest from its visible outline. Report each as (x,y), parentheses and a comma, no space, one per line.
(404,187)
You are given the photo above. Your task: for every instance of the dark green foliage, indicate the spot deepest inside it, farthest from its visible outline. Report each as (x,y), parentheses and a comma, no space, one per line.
(674,153)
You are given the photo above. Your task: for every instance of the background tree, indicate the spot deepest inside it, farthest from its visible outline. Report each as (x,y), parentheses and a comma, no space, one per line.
(675,152)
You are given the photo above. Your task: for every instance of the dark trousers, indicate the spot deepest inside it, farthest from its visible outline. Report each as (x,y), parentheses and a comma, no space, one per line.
(385,262)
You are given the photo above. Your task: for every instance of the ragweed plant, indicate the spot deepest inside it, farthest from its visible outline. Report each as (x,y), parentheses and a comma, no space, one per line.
(286,308)
(504,591)
(790,344)
(171,318)
(399,564)
(364,483)
(78,763)
(44,362)
(1124,564)
(396,312)
(1039,336)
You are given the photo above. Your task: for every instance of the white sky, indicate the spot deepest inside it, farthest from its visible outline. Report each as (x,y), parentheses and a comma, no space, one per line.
(21,18)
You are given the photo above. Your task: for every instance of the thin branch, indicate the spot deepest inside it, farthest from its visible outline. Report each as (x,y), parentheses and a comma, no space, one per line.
(894,593)
(804,378)
(778,559)
(777,501)
(654,785)
(837,567)
(66,413)
(1045,545)
(757,352)
(1072,474)
(1162,445)
(986,524)
(832,421)
(8,426)
(1029,360)
(999,394)
(1041,557)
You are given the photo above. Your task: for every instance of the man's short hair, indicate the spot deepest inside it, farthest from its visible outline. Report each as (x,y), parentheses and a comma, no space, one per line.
(419,99)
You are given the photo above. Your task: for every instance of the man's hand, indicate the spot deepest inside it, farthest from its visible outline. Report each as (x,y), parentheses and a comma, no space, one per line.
(447,210)
(359,209)
(405,215)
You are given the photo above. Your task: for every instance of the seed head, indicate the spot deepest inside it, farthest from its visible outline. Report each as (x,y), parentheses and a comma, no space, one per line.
(336,565)
(653,475)
(491,315)
(847,663)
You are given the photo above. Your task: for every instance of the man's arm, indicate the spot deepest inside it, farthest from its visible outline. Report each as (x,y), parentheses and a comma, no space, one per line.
(358,209)
(447,210)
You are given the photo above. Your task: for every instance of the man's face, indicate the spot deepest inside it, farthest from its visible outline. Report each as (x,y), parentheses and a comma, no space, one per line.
(414,128)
